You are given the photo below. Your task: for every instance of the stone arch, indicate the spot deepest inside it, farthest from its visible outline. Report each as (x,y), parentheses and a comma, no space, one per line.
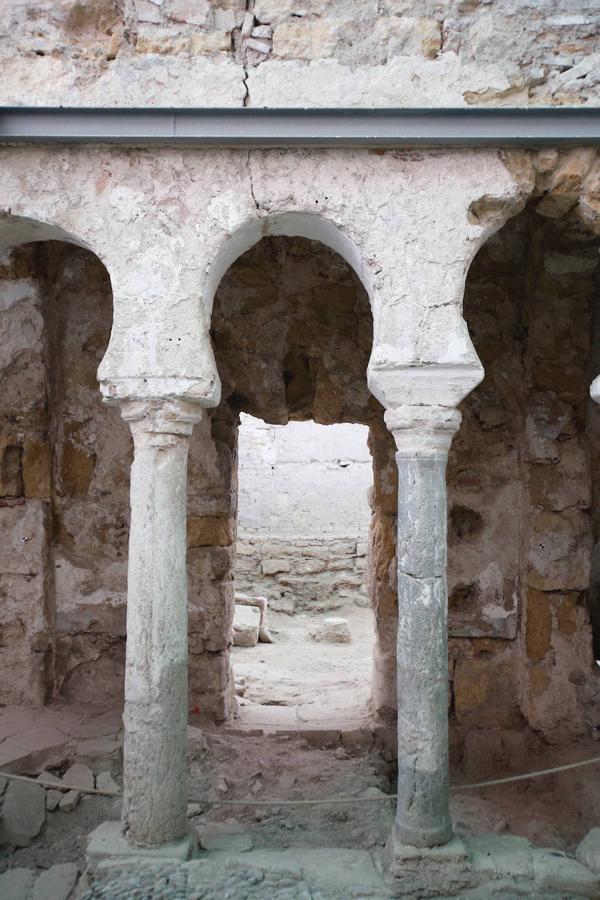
(290,223)
(17,230)
(329,237)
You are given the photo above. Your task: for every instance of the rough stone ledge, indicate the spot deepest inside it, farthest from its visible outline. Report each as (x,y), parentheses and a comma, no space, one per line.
(106,842)
(483,866)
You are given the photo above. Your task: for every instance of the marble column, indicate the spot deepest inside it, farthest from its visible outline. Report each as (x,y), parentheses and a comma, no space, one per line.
(423,435)
(155,717)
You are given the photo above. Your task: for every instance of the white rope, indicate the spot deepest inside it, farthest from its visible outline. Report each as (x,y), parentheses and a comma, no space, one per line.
(381,798)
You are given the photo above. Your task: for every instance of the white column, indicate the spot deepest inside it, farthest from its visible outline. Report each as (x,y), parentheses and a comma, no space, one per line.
(423,436)
(155,717)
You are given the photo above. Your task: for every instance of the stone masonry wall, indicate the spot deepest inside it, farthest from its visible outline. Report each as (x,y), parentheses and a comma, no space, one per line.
(520,503)
(281,52)
(303,514)
(64,487)
(523,476)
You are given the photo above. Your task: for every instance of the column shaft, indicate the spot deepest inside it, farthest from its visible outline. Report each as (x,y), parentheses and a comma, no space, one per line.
(422,815)
(155,717)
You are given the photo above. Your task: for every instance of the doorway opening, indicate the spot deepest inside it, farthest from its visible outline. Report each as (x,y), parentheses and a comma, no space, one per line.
(302,540)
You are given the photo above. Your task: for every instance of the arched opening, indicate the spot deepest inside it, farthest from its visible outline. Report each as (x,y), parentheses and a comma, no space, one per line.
(523,521)
(292,333)
(64,460)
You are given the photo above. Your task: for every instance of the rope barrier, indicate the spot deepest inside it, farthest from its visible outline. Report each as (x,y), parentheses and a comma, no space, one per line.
(382,798)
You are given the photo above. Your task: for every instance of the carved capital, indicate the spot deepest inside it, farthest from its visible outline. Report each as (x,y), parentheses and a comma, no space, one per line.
(168,417)
(423,430)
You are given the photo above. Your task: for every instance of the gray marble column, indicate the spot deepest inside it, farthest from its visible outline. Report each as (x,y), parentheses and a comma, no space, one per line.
(423,436)
(155,717)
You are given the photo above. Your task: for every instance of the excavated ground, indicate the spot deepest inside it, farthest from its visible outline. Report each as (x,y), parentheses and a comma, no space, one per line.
(302,734)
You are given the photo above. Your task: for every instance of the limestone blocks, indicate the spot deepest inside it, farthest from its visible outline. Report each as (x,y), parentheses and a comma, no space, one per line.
(22,813)
(333,630)
(246,623)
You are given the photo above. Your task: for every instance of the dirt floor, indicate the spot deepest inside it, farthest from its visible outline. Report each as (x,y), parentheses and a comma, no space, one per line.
(297,680)
(302,734)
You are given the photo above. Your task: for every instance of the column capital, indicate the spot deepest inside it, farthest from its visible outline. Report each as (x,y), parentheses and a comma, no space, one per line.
(176,417)
(423,430)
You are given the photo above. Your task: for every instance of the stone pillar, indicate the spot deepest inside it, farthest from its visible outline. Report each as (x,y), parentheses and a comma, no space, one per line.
(423,435)
(155,717)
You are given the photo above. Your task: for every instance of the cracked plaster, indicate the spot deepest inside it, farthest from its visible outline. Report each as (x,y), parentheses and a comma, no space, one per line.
(168,223)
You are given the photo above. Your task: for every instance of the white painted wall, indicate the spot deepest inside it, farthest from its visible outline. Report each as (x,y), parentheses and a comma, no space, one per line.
(303,480)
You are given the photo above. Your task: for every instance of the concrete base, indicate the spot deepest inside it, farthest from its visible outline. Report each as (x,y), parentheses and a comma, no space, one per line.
(107,843)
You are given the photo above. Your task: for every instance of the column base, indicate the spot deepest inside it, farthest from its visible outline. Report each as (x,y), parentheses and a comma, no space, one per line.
(106,842)
(423,838)
(428,871)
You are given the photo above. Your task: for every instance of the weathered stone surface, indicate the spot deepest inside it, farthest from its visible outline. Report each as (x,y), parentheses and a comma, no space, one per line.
(23,813)
(209,531)
(246,623)
(15,884)
(79,776)
(53,799)
(558,872)
(69,801)
(588,851)
(231,838)
(274,566)
(56,883)
(332,631)
(105,782)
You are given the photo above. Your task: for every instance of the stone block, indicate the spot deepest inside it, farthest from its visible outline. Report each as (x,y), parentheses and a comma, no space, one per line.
(23,813)
(69,801)
(225,836)
(53,798)
(188,12)
(501,855)
(275,566)
(56,883)
(78,467)
(273,11)
(36,468)
(408,36)
(48,777)
(106,842)
(485,693)
(555,871)
(332,631)
(246,625)
(539,624)
(79,776)
(15,884)
(209,531)
(560,551)
(104,782)
(209,42)
(588,851)
(304,40)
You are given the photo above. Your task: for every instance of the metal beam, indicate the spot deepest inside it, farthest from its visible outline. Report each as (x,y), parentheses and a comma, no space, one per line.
(303,127)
